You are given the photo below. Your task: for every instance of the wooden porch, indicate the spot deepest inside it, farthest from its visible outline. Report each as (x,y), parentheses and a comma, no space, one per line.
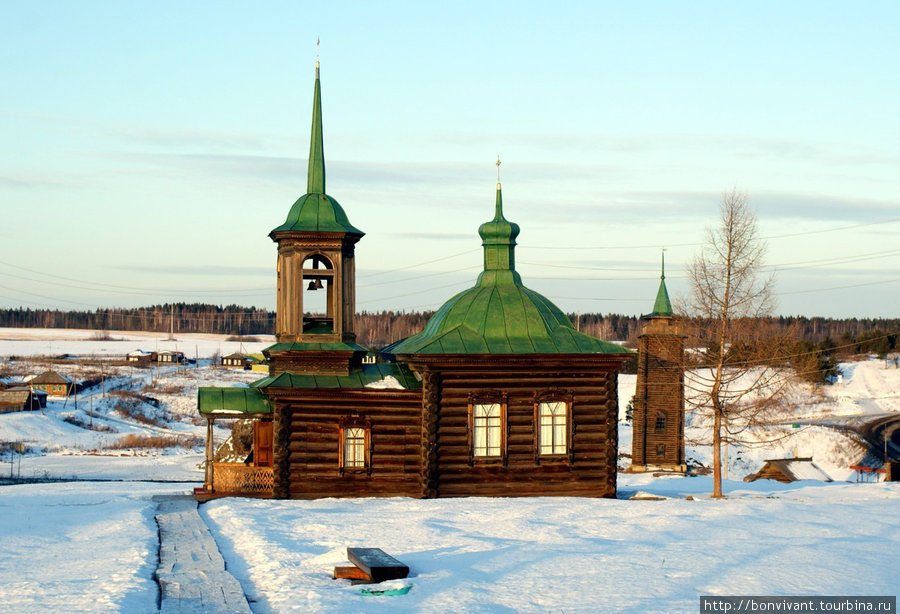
(237,480)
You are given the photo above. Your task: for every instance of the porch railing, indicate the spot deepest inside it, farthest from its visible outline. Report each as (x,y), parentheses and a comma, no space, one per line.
(238,478)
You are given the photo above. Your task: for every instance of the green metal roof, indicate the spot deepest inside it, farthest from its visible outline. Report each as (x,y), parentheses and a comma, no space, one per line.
(662,306)
(369,374)
(316,211)
(500,315)
(232,401)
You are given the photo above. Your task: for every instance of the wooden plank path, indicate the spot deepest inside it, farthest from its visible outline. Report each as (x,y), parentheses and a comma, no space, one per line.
(191,573)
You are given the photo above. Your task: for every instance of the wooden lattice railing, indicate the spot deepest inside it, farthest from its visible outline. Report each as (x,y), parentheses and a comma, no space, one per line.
(238,478)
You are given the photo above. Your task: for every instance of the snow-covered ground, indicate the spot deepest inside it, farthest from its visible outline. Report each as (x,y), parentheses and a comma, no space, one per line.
(92,546)
(569,554)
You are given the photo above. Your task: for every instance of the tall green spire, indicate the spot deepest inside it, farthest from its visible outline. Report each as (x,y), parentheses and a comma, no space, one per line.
(316,211)
(662,306)
(315,182)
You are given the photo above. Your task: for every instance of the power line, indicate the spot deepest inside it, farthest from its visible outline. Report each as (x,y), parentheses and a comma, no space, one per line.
(147,292)
(871,283)
(661,245)
(412,266)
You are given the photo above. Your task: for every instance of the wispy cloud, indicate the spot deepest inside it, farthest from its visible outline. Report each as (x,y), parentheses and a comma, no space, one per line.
(195,270)
(818,207)
(31,180)
(189,139)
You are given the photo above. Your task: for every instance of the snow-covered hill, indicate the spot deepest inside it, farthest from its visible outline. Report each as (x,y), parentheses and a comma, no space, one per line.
(89,546)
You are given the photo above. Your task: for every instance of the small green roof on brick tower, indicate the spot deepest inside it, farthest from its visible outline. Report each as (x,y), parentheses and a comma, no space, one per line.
(662,306)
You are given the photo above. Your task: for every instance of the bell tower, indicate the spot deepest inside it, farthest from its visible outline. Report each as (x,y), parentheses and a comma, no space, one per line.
(316,292)
(658,419)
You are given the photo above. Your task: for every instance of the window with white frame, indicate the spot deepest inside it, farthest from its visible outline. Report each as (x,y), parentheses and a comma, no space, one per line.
(553,427)
(486,430)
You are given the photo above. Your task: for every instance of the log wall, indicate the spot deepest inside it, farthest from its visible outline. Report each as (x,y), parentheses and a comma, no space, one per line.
(313,459)
(589,471)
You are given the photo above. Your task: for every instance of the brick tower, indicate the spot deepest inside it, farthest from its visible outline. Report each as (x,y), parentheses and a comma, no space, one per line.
(658,419)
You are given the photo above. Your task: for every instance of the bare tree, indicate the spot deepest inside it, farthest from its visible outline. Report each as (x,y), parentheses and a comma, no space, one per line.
(739,380)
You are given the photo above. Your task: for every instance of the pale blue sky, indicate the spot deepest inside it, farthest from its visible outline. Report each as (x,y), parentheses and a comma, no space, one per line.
(147,148)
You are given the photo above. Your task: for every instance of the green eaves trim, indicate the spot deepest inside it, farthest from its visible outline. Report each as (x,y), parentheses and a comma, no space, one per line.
(232,401)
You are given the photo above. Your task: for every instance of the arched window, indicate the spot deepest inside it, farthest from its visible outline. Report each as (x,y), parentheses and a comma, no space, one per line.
(355,445)
(487,426)
(318,295)
(553,432)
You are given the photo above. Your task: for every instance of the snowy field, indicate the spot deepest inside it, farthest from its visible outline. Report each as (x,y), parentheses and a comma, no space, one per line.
(80,546)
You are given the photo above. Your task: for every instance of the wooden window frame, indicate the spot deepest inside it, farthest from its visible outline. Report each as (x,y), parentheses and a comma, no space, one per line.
(661,423)
(355,422)
(488,397)
(554,396)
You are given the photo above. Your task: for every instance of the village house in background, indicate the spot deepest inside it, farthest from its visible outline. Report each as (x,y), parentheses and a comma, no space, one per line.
(499,395)
(52,383)
(658,417)
(171,357)
(787,470)
(247,362)
(140,358)
(144,358)
(16,395)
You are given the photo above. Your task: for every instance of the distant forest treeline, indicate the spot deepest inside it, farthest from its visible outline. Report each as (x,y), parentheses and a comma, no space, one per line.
(381,328)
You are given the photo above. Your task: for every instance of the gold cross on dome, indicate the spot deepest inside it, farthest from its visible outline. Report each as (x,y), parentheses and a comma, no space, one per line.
(498,168)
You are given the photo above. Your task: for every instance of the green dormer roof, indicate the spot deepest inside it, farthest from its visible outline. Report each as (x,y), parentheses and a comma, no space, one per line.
(500,315)
(662,306)
(316,211)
